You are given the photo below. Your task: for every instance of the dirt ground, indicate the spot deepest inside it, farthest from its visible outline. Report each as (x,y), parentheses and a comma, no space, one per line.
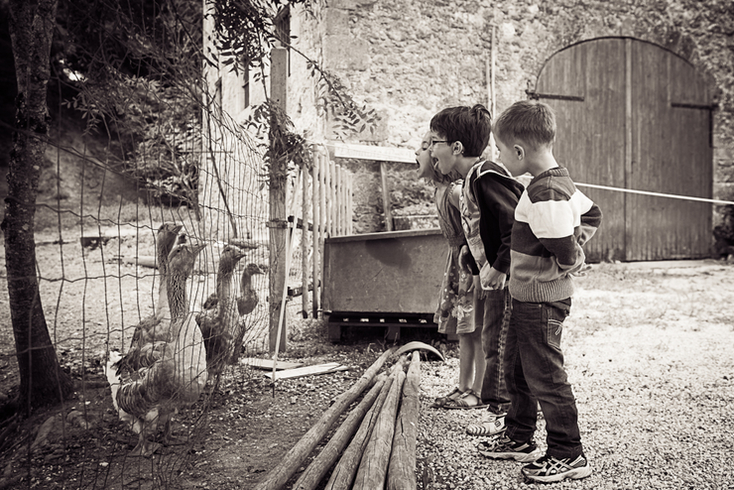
(655,323)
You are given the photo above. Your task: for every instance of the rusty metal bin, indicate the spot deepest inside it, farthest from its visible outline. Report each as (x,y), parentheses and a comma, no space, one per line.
(388,279)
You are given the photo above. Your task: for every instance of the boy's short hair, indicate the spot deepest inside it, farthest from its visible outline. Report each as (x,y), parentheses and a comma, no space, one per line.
(470,125)
(530,121)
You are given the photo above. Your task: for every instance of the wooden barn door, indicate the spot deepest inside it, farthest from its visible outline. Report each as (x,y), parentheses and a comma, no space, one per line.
(635,116)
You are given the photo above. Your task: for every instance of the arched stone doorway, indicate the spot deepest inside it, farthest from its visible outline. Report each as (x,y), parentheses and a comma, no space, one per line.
(634,115)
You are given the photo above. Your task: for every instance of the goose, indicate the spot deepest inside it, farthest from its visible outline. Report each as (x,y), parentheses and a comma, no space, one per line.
(166,237)
(248,300)
(145,331)
(216,322)
(171,371)
(246,303)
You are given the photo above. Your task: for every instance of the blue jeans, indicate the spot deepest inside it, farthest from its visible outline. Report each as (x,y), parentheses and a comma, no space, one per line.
(494,324)
(534,373)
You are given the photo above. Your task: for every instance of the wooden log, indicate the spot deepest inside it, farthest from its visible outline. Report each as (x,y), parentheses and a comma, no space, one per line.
(401,470)
(343,475)
(293,459)
(373,467)
(312,476)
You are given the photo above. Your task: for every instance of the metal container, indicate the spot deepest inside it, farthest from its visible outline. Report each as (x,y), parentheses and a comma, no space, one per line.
(386,279)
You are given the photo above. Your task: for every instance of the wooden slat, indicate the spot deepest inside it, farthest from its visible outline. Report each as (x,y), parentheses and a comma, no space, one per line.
(268,363)
(374,153)
(305,204)
(331,367)
(315,237)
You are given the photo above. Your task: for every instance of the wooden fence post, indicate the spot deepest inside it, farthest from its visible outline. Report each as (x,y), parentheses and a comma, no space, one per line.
(277,196)
(386,196)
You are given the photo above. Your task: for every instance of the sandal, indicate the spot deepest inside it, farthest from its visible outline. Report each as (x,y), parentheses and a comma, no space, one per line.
(487,428)
(464,402)
(443,400)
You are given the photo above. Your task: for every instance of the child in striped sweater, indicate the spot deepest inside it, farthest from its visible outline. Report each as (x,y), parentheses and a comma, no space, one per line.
(553,220)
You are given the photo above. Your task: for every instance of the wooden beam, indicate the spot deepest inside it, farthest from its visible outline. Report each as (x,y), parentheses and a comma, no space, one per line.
(277,209)
(268,363)
(386,197)
(327,368)
(374,153)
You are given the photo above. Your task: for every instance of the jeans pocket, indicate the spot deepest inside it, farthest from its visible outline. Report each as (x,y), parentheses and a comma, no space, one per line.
(553,332)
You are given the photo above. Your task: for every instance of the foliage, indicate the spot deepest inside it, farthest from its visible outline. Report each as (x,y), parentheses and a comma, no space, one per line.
(349,116)
(284,149)
(133,68)
(724,232)
(245,35)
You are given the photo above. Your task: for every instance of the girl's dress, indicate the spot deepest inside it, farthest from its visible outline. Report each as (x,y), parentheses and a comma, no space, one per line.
(454,312)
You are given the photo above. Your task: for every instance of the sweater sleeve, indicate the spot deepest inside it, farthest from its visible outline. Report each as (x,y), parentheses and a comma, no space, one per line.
(563,224)
(500,202)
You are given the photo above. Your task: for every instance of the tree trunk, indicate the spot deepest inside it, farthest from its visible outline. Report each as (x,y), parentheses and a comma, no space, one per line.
(41,379)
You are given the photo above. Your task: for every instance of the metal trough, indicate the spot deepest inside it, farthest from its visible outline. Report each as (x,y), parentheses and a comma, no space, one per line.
(386,279)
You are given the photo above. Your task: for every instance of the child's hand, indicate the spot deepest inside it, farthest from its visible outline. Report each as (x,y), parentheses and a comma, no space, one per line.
(464,259)
(477,287)
(581,272)
(491,278)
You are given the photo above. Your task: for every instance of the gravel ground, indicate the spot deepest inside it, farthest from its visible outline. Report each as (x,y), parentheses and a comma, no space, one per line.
(650,354)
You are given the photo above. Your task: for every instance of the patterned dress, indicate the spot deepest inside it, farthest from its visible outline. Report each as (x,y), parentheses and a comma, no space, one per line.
(454,303)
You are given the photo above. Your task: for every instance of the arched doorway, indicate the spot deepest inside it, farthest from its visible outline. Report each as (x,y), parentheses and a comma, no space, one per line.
(634,115)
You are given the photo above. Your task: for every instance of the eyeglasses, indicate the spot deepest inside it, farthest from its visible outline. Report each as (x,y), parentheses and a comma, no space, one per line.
(437,141)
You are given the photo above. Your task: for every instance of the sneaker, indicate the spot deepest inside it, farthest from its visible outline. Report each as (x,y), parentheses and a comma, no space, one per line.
(549,469)
(491,415)
(502,447)
(485,429)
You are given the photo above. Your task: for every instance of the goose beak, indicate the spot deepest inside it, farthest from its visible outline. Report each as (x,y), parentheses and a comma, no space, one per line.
(198,247)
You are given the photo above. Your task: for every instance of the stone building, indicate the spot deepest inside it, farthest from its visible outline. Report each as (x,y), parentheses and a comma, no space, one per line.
(411,58)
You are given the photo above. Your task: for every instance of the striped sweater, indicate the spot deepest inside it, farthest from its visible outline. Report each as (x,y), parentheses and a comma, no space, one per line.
(553,220)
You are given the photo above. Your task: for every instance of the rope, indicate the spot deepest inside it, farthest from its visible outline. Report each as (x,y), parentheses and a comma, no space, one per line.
(657,194)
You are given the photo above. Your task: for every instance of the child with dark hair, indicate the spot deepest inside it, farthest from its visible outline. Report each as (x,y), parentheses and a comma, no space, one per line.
(488,199)
(553,220)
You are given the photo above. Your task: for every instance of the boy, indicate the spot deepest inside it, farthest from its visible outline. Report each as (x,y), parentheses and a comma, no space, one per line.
(552,221)
(459,135)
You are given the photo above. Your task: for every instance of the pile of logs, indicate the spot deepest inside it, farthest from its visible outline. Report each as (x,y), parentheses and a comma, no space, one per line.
(374,445)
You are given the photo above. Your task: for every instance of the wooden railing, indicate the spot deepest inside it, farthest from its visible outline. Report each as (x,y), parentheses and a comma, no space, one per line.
(318,204)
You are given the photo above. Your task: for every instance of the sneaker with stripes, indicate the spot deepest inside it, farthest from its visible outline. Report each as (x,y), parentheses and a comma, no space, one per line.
(489,428)
(549,469)
(502,447)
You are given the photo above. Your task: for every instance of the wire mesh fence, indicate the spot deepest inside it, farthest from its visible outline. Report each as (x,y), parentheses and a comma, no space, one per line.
(106,190)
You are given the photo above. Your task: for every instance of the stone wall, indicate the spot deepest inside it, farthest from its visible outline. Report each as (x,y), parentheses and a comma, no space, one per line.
(411,58)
